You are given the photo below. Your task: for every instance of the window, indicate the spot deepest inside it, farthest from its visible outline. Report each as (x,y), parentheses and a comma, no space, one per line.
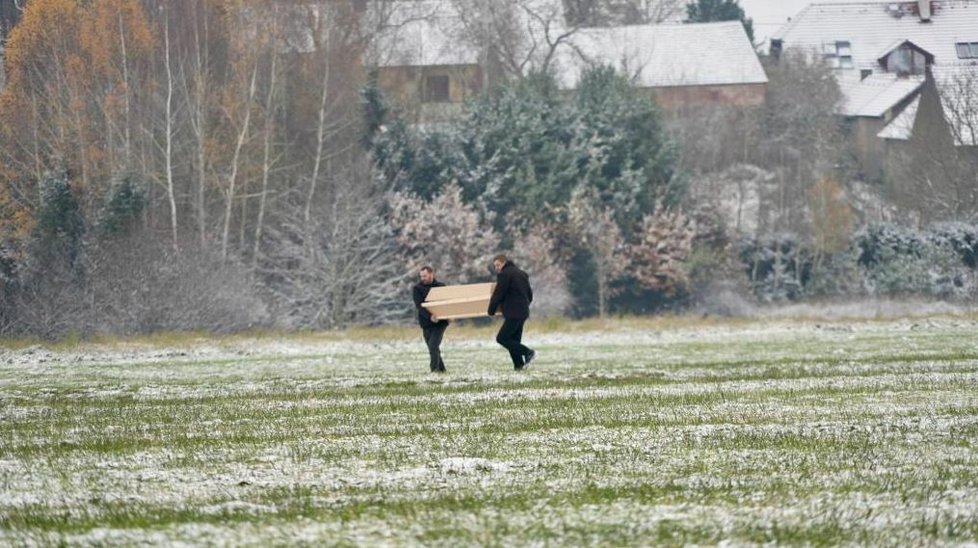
(967,50)
(838,54)
(436,89)
(906,60)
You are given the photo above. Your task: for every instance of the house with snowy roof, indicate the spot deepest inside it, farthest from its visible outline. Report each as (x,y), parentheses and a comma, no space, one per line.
(681,65)
(426,61)
(886,57)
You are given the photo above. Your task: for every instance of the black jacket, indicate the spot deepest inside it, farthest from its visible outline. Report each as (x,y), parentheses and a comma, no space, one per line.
(512,293)
(420,294)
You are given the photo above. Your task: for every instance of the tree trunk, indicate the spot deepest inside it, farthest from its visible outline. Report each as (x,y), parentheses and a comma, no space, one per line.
(266,161)
(235,163)
(321,130)
(169,137)
(127,132)
(602,290)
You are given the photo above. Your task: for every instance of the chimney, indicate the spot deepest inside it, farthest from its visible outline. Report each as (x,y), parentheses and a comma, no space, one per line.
(923,9)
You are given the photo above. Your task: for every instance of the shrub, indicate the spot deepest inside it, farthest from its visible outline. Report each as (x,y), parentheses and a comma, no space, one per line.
(778,267)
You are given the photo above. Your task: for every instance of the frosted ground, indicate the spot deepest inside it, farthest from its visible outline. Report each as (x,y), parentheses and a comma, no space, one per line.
(641,432)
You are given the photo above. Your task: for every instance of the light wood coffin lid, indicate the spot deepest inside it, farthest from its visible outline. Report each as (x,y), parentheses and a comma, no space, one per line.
(455,302)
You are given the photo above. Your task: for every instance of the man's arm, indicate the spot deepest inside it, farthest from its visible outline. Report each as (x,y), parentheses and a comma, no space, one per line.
(499,293)
(418,297)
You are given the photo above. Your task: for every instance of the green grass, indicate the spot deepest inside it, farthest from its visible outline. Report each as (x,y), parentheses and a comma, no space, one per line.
(624,432)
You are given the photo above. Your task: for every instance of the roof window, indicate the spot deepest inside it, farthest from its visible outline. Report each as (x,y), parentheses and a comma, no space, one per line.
(838,54)
(967,50)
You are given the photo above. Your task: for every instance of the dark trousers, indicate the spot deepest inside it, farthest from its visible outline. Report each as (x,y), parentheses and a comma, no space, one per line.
(510,335)
(432,338)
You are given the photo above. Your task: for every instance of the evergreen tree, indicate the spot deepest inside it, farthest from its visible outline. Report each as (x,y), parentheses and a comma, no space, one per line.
(375,108)
(527,146)
(519,148)
(705,11)
(126,202)
(57,236)
(629,161)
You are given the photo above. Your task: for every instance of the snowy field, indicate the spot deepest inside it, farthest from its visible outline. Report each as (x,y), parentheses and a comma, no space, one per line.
(641,433)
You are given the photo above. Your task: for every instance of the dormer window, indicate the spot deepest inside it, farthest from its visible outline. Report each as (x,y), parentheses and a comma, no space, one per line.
(967,50)
(838,54)
(906,60)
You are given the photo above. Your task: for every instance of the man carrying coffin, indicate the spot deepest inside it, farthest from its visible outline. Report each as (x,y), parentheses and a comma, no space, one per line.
(432,329)
(514,295)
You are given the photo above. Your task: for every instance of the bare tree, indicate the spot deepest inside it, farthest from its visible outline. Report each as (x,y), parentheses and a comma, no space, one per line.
(345,270)
(268,133)
(935,173)
(169,131)
(518,35)
(801,134)
(595,229)
(240,107)
(323,32)
(195,67)
(958,91)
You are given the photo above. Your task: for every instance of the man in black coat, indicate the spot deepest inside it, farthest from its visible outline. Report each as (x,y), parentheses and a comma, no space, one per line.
(514,295)
(432,329)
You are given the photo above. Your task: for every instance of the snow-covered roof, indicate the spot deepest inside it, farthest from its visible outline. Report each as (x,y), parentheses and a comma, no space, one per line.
(957,87)
(664,55)
(872,27)
(876,94)
(769,16)
(423,33)
(901,128)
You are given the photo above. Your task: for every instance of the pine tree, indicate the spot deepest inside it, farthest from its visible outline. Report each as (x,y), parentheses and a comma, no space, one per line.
(629,163)
(57,236)
(704,11)
(125,204)
(375,109)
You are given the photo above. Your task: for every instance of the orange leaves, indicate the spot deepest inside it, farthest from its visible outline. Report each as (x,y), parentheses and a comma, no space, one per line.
(115,36)
(38,45)
(15,220)
(832,217)
(665,242)
(73,67)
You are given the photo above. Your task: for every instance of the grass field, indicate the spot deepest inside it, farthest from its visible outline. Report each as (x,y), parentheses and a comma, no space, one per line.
(626,433)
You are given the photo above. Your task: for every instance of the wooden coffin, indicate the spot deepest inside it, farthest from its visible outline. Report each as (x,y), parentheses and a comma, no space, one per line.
(455,302)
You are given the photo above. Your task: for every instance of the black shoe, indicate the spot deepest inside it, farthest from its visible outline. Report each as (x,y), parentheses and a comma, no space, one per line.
(529,358)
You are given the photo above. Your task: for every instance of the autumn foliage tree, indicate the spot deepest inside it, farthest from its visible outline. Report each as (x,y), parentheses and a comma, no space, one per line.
(657,259)
(833,219)
(224,116)
(77,77)
(446,232)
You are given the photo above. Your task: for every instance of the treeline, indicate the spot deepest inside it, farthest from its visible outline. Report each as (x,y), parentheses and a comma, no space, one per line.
(227,164)
(235,122)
